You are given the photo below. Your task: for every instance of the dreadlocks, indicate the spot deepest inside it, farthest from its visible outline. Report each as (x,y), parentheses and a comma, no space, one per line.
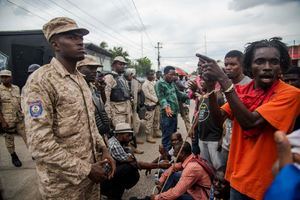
(274,42)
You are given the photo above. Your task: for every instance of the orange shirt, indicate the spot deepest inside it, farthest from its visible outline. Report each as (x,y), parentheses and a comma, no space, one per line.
(251,158)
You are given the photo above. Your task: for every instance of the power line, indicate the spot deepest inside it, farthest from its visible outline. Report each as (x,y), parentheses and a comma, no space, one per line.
(28,11)
(144,28)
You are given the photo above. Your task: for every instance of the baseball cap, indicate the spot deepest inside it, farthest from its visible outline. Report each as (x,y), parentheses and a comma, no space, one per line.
(88,60)
(120,59)
(61,25)
(5,72)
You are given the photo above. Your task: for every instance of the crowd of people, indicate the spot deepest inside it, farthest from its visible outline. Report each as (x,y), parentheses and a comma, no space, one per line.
(81,125)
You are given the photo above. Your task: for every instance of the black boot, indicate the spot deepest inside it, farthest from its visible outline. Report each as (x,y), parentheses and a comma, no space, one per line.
(15,160)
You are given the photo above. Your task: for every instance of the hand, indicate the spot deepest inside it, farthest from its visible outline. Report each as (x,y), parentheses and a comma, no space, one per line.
(169,112)
(107,157)
(152,197)
(147,171)
(97,172)
(211,71)
(192,85)
(164,165)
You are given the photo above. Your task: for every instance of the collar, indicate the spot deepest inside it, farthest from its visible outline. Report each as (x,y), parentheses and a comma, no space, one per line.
(188,159)
(61,69)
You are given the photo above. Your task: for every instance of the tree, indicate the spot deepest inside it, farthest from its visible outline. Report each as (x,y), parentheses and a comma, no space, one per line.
(118,51)
(103,45)
(142,65)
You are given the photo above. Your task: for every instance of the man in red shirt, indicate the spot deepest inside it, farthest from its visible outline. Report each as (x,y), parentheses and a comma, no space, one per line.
(257,109)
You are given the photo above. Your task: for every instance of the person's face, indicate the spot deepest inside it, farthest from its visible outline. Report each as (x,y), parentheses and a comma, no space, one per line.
(69,45)
(6,80)
(174,140)
(90,72)
(292,79)
(266,67)
(151,77)
(125,138)
(158,75)
(169,77)
(181,156)
(233,67)
(119,67)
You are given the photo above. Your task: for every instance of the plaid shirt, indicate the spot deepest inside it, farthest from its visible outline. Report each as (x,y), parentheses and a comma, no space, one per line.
(116,150)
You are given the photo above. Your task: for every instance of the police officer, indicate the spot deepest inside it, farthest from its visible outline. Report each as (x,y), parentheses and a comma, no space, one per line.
(10,114)
(117,93)
(60,123)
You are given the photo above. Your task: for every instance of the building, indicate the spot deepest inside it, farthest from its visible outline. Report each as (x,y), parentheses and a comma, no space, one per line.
(294,52)
(19,49)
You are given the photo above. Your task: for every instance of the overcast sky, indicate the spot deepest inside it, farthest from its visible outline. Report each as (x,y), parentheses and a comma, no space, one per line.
(184,27)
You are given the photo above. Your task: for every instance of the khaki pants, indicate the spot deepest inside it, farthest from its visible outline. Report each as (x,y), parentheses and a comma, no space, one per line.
(136,123)
(153,122)
(184,112)
(121,112)
(9,137)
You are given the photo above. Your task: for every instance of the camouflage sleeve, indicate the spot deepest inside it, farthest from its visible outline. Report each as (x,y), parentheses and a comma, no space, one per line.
(38,109)
(161,95)
(110,83)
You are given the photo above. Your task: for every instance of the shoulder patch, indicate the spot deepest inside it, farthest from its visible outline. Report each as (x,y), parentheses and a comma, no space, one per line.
(35,108)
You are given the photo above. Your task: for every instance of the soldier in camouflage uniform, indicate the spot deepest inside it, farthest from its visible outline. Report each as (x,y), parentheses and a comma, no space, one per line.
(60,123)
(117,93)
(10,114)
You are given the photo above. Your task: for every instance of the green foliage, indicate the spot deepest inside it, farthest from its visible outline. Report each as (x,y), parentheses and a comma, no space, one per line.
(103,45)
(118,51)
(142,65)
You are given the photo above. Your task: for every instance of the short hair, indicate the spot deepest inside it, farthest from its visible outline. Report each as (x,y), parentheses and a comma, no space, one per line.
(186,149)
(275,42)
(151,71)
(293,70)
(235,54)
(168,68)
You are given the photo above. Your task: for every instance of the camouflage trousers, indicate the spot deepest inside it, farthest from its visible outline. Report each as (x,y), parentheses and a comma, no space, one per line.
(18,128)
(152,122)
(136,123)
(121,112)
(184,112)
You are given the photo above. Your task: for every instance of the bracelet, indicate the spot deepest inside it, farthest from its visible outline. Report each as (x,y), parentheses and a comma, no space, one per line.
(230,89)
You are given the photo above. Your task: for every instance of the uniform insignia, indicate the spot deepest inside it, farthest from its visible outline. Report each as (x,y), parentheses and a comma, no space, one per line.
(35,108)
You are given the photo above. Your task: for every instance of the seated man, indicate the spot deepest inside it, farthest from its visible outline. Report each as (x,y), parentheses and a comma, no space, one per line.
(194,182)
(126,175)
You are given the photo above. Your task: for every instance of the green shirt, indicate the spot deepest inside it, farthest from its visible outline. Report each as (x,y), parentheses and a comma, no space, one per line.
(169,95)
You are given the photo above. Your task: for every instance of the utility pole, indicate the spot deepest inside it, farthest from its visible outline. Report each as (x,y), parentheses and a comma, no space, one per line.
(158,55)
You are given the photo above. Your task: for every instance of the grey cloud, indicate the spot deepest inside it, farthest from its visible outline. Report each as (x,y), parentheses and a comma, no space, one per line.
(239,5)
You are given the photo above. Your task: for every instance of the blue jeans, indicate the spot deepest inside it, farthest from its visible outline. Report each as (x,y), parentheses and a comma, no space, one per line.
(168,127)
(236,195)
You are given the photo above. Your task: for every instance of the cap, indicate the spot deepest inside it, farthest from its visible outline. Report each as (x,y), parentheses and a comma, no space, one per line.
(123,128)
(5,72)
(130,71)
(120,59)
(33,67)
(61,25)
(88,60)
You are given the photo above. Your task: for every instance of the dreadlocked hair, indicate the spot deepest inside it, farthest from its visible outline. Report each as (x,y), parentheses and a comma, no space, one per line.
(275,42)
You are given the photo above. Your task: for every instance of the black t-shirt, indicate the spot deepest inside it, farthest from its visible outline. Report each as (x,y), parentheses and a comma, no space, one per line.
(207,129)
(297,124)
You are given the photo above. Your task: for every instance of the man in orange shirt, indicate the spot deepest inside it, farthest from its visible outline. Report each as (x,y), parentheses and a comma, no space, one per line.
(257,109)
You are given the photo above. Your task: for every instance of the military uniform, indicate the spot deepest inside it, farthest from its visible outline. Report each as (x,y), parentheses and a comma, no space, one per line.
(118,100)
(10,102)
(62,133)
(135,89)
(152,113)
